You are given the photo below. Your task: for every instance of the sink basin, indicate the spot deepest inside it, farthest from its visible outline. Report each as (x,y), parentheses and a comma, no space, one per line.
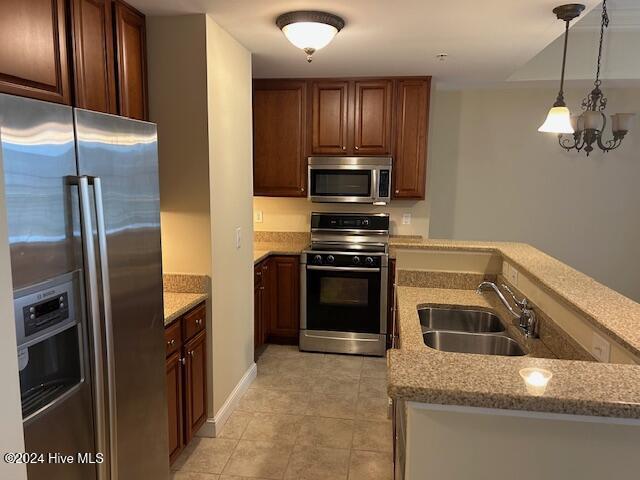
(459,320)
(485,344)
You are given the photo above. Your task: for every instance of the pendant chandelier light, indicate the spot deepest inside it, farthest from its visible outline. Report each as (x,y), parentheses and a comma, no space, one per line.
(588,127)
(559,118)
(309,30)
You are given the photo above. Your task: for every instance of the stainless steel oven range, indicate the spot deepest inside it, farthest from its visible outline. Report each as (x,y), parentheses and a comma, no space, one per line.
(344,274)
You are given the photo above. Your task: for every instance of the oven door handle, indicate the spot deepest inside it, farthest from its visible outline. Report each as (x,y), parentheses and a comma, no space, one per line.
(342,269)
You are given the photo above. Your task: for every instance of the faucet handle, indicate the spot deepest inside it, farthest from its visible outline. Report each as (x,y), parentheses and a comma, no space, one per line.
(523,304)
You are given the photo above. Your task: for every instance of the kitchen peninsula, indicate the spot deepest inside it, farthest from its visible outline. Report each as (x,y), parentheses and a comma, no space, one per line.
(444,401)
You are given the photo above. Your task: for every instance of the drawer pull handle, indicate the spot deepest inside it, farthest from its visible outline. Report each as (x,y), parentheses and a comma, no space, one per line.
(171,342)
(199,321)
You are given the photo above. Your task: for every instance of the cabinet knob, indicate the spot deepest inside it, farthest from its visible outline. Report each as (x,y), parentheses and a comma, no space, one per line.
(397,191)
(302,189)
(171,342)
(344,147)
(199,321)
(183,361)
(357,147)
(191,353)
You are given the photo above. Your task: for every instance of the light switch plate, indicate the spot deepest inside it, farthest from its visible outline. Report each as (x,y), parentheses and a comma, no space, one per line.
(600,348)
(406,219)
(258,216)
(238,237)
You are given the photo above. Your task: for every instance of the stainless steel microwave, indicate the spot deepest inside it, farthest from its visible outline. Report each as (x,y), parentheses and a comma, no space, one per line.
(350,179)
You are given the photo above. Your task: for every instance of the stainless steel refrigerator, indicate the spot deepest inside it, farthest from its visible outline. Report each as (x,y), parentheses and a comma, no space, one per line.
(82,202)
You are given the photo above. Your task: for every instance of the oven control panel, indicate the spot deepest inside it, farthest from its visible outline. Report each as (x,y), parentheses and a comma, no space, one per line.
(350,221)
(360,260)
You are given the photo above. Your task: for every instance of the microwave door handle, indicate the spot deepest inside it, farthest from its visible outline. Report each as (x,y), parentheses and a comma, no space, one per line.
(91,273)
(108,326)
(374,184)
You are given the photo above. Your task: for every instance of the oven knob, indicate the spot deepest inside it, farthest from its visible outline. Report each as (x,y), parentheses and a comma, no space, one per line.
(356,260)
(317,259)
(368,261)
(331,259)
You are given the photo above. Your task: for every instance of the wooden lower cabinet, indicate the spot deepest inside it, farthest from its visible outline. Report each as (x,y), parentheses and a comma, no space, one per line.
(174,404)
(195,384)
(284,300)
(277,300)
(186,369)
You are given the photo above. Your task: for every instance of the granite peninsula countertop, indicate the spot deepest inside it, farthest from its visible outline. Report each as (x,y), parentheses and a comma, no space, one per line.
(418,373)
(609,311)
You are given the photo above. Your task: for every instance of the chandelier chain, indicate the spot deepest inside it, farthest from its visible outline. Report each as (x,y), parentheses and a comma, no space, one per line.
(603,24)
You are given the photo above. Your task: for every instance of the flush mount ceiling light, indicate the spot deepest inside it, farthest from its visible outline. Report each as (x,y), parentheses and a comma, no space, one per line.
(559,118)
(309,30)
(590,124)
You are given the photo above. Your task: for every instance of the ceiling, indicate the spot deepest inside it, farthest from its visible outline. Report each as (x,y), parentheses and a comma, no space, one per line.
(486,41)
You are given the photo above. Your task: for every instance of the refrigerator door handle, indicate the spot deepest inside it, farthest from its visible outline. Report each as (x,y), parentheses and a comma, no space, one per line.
(91,272)
(108,326)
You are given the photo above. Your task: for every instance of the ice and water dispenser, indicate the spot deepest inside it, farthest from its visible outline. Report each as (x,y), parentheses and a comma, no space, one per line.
(50,347)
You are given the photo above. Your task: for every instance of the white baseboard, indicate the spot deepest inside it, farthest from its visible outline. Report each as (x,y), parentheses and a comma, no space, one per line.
(214,425)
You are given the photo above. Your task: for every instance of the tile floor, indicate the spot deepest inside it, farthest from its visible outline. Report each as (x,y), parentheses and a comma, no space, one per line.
(307,416)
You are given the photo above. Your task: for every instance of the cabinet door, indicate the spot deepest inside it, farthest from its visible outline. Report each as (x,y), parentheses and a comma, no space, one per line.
(279,118)
(33,50)
(94,72)
(329,118)
(284,299)
(131,54)
(195,384)
(410,162)
(174,405)
(258,288)
(372,117)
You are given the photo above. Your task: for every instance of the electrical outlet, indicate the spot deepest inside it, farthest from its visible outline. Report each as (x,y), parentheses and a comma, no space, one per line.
(406,219)
(512,276)
(238,237)
(505,270)
(258,216)
(600,348)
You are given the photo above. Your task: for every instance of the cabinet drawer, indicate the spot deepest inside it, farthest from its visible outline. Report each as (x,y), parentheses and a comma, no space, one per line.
(194,321)
(173,338)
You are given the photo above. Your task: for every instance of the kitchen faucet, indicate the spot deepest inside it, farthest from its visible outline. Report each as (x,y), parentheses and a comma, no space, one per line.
(527,320)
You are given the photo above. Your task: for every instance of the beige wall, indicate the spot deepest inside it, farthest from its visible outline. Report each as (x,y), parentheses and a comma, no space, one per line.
(11,435)
(231,184)
(492,176)
(449,443)
(177,67)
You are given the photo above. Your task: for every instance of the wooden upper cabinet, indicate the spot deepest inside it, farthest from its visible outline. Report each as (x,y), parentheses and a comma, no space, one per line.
(33,50)
(329,108)
(131,61)
(279,125)
(372,117)
(94,72)
(410,162)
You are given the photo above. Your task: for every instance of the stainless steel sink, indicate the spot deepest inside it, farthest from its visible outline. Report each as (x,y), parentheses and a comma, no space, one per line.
(481,343)
(459,320)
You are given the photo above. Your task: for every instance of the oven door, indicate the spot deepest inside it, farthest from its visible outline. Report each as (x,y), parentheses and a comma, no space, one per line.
(342,183)
(343,299)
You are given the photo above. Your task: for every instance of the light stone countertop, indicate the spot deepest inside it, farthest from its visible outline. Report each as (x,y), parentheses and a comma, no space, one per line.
(418,373)
(262,250)
(614,314)
(177,304)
